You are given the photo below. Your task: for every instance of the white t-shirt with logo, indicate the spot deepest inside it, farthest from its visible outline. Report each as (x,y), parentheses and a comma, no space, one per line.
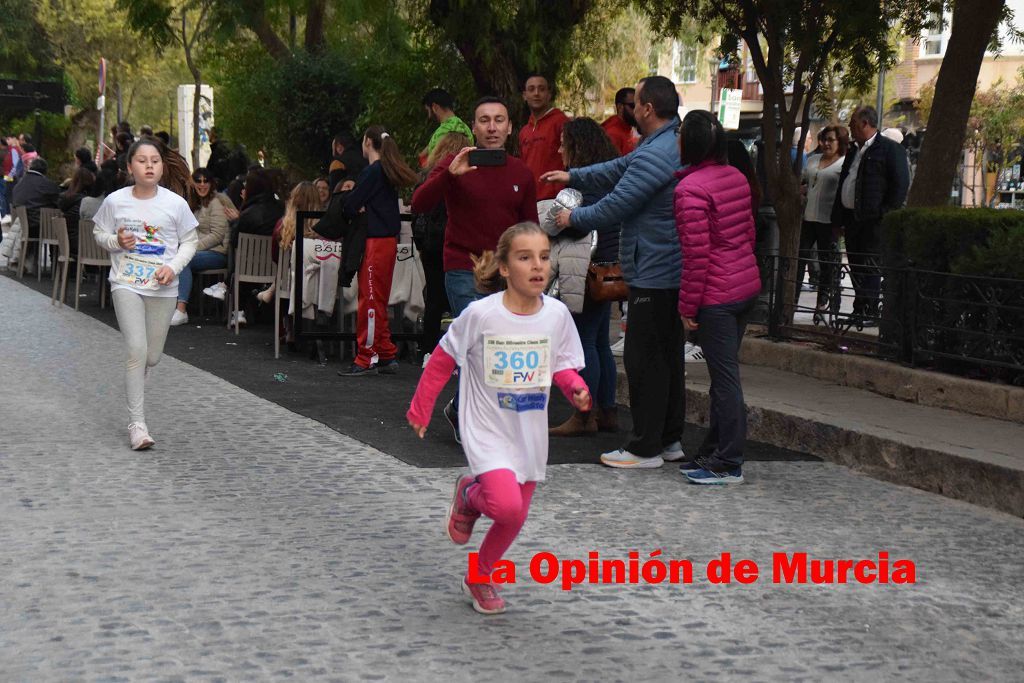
(507,363)
(159,225)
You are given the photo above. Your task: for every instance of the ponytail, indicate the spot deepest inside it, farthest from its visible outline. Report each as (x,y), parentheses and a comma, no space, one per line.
(486,267)
(486,273)
(397,171)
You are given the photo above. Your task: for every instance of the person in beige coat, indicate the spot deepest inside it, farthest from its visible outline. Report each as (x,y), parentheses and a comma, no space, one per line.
(212,212)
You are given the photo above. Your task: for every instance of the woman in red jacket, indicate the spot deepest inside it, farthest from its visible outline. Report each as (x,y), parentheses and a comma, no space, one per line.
(719,285)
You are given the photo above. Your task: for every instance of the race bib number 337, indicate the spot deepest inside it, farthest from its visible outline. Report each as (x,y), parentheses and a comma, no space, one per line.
(517,361)
(137,270)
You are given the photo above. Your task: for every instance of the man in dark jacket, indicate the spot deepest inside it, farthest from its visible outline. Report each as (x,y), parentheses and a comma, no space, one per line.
(873,182)
(346,160)
(35,191)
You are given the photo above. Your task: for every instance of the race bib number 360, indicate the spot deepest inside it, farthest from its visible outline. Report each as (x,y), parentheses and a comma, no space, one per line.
(517,361)
(137,270)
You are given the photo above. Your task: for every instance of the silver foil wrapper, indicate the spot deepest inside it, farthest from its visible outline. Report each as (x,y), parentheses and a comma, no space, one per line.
(569,199)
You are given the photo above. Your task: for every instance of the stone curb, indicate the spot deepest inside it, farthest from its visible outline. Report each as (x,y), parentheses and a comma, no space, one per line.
(948,474)
(890,379)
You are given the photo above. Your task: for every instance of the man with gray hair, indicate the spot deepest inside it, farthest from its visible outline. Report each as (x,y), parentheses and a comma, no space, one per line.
(873,182)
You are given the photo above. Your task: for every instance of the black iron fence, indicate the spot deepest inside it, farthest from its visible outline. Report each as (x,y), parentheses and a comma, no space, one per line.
(963,324)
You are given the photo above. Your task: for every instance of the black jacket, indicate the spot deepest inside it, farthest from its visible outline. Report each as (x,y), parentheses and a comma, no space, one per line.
(351,230)
(34,191)
(378,196)
(260,215)
(882,182)
(346,167)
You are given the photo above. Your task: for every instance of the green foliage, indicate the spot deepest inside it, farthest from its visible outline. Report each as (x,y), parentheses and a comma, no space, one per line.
(54,144)
(22,55)
(987,242)
(290,108)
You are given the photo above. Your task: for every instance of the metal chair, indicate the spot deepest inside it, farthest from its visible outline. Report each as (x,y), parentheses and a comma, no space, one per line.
(281,291)
(90,254)
(21,214)
(48,238)
(253,263)
(59,227)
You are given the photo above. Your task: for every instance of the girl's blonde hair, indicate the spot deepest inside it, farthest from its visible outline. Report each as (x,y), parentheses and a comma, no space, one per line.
(304,197)
(485,267)
(450,143)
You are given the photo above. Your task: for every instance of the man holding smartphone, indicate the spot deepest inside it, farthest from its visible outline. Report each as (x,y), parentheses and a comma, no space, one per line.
(484,195)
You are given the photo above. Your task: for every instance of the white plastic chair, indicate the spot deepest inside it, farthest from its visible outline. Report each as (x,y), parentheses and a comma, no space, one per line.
(59,228)
(253,263)
(90,254)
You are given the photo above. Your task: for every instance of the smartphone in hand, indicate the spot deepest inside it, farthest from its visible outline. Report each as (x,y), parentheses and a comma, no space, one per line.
(487,157)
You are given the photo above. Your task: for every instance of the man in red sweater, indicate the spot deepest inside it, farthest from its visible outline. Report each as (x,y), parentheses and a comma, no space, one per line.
(482,202)
(541,137)
(621,126)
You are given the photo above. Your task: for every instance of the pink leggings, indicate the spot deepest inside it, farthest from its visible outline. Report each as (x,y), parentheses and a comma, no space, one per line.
(499,496)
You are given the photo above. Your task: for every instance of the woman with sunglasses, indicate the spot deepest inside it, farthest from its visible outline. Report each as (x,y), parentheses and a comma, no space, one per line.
(212,231)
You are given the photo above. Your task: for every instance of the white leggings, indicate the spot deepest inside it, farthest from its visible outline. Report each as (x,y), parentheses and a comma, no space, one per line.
(144,321)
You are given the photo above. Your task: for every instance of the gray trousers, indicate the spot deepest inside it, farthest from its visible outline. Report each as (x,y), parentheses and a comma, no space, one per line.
(721,331)
(144,321)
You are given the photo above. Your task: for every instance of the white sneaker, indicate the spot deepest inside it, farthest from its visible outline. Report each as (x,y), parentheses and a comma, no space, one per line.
(240,315)
(217,291)
(619,346)
(138,435)
(426,359)
(692,353)
(625,460)
(179,318)
(673,452)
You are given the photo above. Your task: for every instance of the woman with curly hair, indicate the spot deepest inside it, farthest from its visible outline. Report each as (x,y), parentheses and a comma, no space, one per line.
(584,143)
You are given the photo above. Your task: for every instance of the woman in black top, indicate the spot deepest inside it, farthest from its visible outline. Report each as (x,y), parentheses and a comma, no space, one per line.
(376,193)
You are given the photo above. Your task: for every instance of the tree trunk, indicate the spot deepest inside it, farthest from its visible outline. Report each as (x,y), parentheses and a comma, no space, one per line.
(974,24)
(315,12)
(258,23)
(197,95)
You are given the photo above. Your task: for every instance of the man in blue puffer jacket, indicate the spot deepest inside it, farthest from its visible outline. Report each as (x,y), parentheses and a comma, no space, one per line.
(640,187)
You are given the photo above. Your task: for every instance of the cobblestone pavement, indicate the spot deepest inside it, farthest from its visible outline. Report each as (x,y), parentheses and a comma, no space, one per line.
(253,544)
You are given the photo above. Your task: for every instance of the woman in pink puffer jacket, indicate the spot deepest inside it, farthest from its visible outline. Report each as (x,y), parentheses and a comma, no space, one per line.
(719,286)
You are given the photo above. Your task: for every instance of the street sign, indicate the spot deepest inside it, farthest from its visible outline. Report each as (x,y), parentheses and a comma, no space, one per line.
(101,102)
(103,76)
(729,108)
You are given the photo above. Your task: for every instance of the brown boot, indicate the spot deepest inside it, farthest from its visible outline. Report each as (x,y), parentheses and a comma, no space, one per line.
(577,425)
(607,419)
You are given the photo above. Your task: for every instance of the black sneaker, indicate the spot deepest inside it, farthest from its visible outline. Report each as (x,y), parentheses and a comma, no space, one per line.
(389,367)
(357,371)
(452,415)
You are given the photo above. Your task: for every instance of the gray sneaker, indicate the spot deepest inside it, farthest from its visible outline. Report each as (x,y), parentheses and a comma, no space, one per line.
(623,459)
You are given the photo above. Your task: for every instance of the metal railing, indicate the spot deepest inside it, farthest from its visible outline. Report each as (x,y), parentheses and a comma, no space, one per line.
(963,324)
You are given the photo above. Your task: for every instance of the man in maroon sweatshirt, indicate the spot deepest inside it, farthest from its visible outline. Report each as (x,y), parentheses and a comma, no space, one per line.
(482,202)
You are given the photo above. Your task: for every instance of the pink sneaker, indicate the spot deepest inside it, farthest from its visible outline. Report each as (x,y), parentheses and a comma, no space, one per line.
(485,597)
(459,521)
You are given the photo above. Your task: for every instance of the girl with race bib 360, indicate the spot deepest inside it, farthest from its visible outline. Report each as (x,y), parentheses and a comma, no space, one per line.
(511,346)
(150,233)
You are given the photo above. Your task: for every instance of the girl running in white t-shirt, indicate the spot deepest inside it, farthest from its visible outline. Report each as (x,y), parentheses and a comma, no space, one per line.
(511,346)
(150,234)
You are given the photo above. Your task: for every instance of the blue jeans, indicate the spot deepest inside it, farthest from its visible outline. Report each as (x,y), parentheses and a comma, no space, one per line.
(599,373)
(461,287)
(203,260)
(4,209)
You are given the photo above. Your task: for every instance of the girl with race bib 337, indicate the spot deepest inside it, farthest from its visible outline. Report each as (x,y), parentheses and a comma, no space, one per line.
(150,233)
(511,346)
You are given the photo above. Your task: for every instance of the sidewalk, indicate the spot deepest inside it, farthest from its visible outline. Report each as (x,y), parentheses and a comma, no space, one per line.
(972,458)
(255,544)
